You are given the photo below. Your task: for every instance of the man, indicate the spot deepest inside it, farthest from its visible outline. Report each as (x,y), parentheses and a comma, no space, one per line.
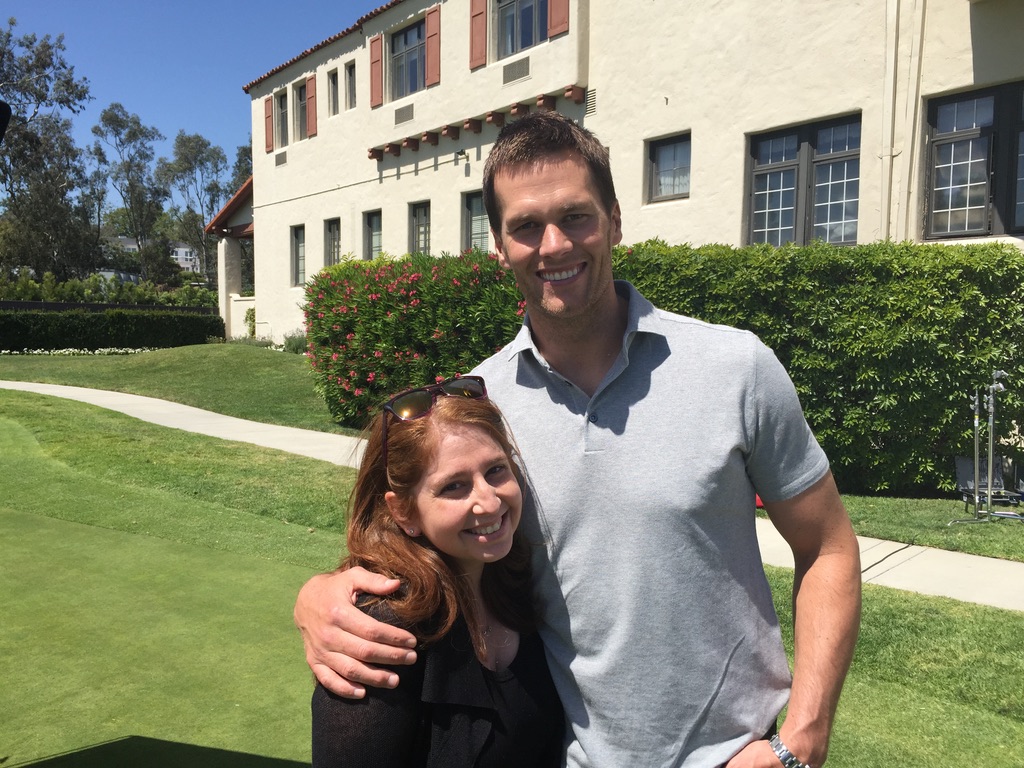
(645,437)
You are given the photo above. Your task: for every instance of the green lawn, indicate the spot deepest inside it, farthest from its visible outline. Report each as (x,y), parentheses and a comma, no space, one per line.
(148,576)
(275,387)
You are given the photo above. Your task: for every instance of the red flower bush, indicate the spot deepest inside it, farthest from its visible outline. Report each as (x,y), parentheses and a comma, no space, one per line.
(377,327)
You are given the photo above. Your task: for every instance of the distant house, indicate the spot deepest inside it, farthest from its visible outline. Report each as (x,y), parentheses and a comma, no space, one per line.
(185,256)
(742,122)
(124,243)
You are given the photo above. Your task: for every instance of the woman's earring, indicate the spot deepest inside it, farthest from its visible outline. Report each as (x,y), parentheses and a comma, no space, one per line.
(411,531)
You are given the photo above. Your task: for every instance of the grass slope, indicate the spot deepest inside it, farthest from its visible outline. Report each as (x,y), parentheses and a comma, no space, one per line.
(263,385)
(148,576)
(239,380)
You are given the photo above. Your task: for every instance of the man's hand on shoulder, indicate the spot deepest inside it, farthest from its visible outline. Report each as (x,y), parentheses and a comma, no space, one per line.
(342,643)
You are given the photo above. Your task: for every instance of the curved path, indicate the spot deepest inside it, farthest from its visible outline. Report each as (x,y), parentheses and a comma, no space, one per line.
(983,580)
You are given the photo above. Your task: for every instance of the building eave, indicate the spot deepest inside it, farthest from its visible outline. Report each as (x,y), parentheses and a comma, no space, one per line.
(357,27)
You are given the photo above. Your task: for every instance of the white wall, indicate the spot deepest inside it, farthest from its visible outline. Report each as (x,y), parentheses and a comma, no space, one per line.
(720,71)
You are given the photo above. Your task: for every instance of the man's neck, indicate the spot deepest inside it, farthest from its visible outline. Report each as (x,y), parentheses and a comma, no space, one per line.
(583,349)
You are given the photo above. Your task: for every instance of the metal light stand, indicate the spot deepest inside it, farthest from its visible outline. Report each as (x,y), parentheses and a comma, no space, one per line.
(986,515)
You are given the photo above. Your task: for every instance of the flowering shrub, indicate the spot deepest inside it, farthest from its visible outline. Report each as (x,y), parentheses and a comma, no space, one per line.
(376,327)
(106,352)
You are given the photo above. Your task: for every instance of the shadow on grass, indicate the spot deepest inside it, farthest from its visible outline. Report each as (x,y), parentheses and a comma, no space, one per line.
(157,753)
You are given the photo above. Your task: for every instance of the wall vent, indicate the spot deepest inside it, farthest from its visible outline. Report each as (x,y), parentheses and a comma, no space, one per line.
(517,70)
(591,102)
(403,114)
(280,158)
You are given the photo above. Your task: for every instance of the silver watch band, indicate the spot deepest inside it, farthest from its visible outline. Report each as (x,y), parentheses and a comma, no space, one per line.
(787,758)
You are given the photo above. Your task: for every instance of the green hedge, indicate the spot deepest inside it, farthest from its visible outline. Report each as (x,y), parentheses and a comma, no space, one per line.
(98,289)
(885,341)
(123,328)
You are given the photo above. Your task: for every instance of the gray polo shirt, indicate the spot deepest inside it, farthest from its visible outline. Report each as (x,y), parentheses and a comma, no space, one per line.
(657,617)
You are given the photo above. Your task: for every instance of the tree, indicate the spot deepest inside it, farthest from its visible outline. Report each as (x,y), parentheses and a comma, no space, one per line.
(49,225)
(242,169)
(41,170)
(131,168)
(35,78)
(196,173)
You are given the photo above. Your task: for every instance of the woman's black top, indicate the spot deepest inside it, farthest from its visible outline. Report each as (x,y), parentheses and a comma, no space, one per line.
(448,711)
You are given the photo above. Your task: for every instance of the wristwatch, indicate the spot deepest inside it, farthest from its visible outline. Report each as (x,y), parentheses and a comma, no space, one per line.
(787,758)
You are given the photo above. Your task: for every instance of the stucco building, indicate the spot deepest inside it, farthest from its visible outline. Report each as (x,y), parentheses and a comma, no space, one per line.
(731,122)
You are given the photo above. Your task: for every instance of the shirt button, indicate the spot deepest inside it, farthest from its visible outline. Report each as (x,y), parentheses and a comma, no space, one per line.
(593,418)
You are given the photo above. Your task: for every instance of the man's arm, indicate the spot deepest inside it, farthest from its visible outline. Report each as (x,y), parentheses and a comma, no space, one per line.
(826,610)
(341,641)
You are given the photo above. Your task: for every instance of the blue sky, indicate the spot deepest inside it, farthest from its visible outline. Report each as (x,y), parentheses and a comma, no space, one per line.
(181,65)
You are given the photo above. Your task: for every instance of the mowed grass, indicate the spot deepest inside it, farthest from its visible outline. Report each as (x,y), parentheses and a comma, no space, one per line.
(239,380)
(275,387)
(148,576)
(147,598)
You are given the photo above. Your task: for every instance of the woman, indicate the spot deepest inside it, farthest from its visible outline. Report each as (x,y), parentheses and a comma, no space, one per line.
(437,504)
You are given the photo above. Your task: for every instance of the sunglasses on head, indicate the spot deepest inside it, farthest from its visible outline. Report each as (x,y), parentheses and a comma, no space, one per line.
(416,403)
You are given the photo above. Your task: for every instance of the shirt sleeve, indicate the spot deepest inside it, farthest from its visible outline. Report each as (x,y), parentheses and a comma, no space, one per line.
(785,458)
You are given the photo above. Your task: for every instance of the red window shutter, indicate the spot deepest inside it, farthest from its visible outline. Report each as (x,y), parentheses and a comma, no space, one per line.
(477,33)
(311,105)
(376,71)
(268,122)
(558,17)
(432,75)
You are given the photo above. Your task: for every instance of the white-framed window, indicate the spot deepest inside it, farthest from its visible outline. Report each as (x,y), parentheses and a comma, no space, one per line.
(298,241)
(419,227)
(333,94)
(804,184)
(976,163)
(408,60)
(350,85)
(281,113)
(474,222)
(669,168)
(521,25)
(332,242)
(372,231)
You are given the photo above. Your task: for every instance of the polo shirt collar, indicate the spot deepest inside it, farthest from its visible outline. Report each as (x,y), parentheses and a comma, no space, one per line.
(641,319)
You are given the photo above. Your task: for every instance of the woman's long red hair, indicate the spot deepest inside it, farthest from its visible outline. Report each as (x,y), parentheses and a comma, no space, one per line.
(433,591)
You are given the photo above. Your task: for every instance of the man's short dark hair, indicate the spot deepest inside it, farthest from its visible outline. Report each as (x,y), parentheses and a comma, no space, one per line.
(538,136)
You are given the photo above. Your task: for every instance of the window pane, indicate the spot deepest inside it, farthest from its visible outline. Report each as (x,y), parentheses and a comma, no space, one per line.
(298,255)
(774,228)
(965,115)
(780,149)
(408,50)
(836,201)
(1018,216)
(420,228)
(838,138)
(671,173)
(373,234)
(476,222)
(506,30)
(332,242)
(521,25)
(960,187)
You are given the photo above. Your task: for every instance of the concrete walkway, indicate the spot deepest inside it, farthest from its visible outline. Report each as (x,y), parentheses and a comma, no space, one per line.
(983,580)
